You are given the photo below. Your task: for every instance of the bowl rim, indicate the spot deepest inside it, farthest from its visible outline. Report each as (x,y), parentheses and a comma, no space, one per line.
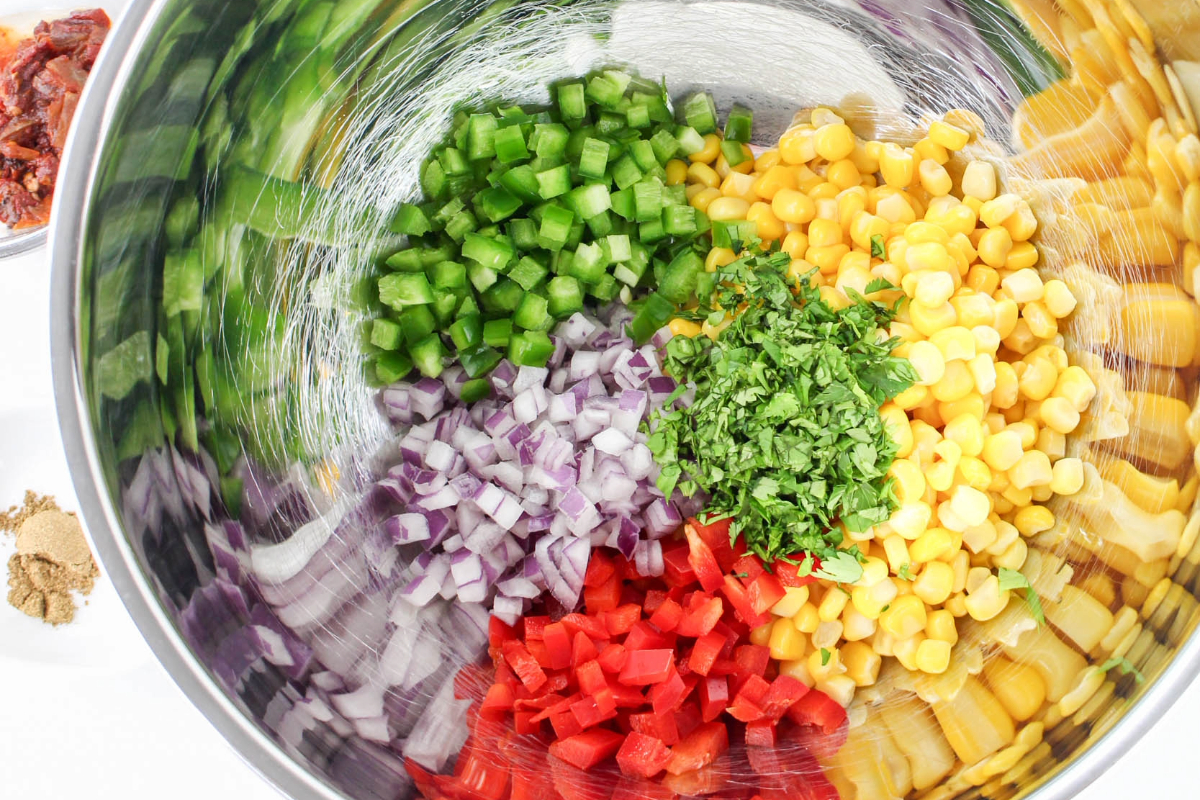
(93,121)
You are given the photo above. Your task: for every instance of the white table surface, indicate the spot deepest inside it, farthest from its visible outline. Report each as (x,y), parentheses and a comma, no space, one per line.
(87,712)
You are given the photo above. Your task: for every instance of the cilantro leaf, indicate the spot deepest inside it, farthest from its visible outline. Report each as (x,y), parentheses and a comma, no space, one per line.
(825,656)
(1012,580)
(905,572)
(841,568)
(878,248)
(1126,666)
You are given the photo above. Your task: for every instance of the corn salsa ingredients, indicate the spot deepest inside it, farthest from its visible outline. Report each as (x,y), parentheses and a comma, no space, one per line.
(785,435)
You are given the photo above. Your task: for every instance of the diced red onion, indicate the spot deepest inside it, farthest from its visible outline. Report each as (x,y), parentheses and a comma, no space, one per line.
(407,528)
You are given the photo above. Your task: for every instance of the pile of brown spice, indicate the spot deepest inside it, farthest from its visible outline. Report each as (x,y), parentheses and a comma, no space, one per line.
(51,562)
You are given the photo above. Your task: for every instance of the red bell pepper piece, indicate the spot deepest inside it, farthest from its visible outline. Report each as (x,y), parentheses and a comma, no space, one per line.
(599,569)
(621,619)
(556,681)
(573,783)
(668,695)
(743,709)
(660,726)
(537,649)
(754,688)
(565,725)
(646,667)
(760,733)
(699,748)
(559,706)
(819,709)
(789,574)
(724,666)
(654,599)
(558,645)
(534,627)
(590,677)
(677,571)
(586,750)
(642,636)
(705,652)
(642,756)
(784,692)
(591,711)
(687,719)
(594,627)
(499,632)
(524,665)
(482,776)
(498,701)
(605,597)
(583,649)
(702,615)
(627,696)
(750,566)
(612,658)
(471,682)
(707,780)
(539,703)
(668,615)
(716,536)
(702,561)
(752,659)
(714,697)
(739,598)
(764,592)
(422,778)
(640,789)
(523,722)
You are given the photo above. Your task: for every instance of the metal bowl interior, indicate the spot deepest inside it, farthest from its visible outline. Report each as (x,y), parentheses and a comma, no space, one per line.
(204,421)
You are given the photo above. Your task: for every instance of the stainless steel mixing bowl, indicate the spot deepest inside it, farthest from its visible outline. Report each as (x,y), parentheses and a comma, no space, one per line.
(238,413)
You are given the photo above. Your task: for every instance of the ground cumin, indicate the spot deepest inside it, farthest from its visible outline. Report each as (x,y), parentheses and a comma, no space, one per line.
(12,519)
(51,562)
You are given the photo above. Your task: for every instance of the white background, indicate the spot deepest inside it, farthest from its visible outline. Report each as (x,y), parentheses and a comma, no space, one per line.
(87,712)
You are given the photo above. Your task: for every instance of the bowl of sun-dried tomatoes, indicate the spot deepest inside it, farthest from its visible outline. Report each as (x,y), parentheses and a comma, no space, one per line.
(45,58)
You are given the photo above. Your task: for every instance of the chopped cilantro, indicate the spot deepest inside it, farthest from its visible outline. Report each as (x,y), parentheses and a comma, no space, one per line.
(741,574)
(1011,580)
(878,248)
(1126,666)
(785,435)
(905,572)
(825,656)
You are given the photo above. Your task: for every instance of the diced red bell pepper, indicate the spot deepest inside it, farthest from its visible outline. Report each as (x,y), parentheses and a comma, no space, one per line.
(599,569)
(716,536)
(754,688)
(677,570)
(640,789)
(702,561)
(748,567)
(646,667)
(789,574)
(642,636)
(594,627)
(573,783)
(739,598)
(499,632)
(785,690)
(654,599)
(612,658)
(621,619)
(524,665)
(642,756)
(819,709)
(764,591)
(752,659)
(504,673)
(705,651)
(556,681)
(592,710)
(539,703)
(498,700)
(583,649)
(660,726)
(422,778)
(724,666)
(668,695)
(559,706)
(687,719)
(565,725)
(558,645)
(586,750)
(471,682)
(627,696)
(482,776)
(523,722)
(531,784)
(699,748)
(537,649)
(668,615)
(743,709)
(701,617)
(760,733)
(590,677)
(707,780)
(605,597)
(534,627)
(714,697)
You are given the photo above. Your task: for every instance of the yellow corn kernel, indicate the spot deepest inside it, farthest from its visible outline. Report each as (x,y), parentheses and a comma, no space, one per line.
(1033,469)
(871,600)
(823,233)
(806,619)
(970,505)
(793,600)
(927,361)
(896,550)
(1023,255)
(707,155)
(979,181)
(798,670)
(987,601)
(983,373)
(823,671)
(933,656)
(1024,286)
(766,160)
(1038,379)
(994,246)
(704,198)
(931,545)
(855,626)
(983,280)
(874,570)
(795,146)
(929,320)
(898,427)
(799,268)
(940,625)
(994,212)
(926,256)
(910,482)
(929,150)
(834,141)
(703,174)
(676,172)
(766,224)
(864,226)
(933,288)
(957,604)
(1053,444)
(824,191)
(974,311)
(794,206)
(684,327)
(827,259)
(728,208)
(967,432)
(832,604)
(925,232)
(956,383)
(956,343)
(1059,414)
(843,174)
(692,190)
(905,651)
(1021,340)
(1058,298)
(1018,687)
(761,635)
(904,618)
(1015,497)
(1067,476)
(935,582)
(1027,430)
(719,257)
(897,166)
(1033,520)
(1041,322)
(934,178)
(772,180)
(948,136)
(739,185)
(795,244)
(974,473)
(862,663)
(911,397)
(785,642)
(1075,385)
(1005,317)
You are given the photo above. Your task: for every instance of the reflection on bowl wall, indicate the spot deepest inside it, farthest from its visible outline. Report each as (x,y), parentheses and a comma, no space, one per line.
(212,261)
